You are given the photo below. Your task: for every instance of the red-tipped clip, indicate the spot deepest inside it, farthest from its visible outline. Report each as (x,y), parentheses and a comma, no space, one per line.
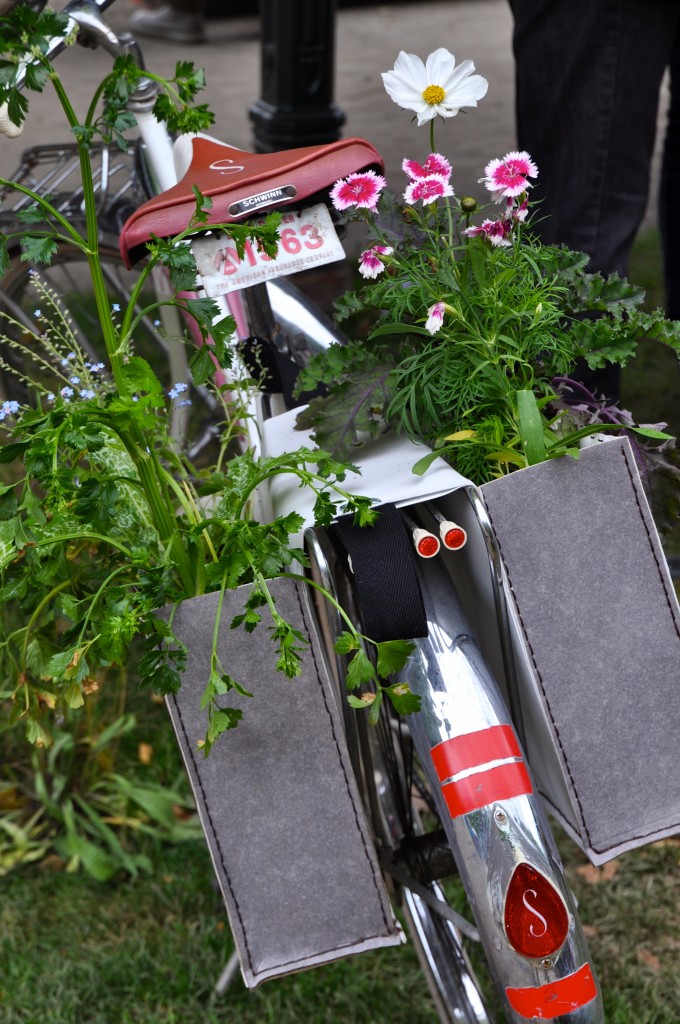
(426,543)
(453,536)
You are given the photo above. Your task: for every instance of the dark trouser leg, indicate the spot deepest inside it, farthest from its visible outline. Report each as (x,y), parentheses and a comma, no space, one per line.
(669,191)
(588,74)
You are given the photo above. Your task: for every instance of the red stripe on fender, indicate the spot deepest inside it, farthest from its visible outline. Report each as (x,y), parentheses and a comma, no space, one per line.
(482,788)
(474,748)
(557,997)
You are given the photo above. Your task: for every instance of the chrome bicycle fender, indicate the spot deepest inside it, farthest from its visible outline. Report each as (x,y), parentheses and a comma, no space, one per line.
(306,327)
(492,815)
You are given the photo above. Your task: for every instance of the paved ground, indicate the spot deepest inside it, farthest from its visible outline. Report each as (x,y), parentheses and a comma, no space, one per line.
(368,40)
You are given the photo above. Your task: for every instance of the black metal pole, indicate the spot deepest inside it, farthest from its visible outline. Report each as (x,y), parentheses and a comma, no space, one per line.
(298,56)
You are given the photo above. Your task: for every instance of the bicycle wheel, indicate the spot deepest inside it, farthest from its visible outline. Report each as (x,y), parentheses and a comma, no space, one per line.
(404,821)
(26,290)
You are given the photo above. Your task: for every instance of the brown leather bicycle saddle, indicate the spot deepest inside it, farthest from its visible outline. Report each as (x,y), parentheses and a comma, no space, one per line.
(241,184)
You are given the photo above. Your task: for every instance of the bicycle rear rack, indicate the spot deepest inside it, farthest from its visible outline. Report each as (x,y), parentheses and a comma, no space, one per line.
(54,171)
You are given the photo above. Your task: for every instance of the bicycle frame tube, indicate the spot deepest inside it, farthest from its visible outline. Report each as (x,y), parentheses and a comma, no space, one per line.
(158,148)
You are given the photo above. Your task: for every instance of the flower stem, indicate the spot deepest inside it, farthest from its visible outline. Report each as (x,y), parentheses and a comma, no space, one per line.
(147,466)
(74,236)
(331,600)
(45,601)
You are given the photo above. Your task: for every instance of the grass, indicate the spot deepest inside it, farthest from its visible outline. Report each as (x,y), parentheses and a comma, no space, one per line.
(651,382)
(630,909)
(650,388)
(149,950)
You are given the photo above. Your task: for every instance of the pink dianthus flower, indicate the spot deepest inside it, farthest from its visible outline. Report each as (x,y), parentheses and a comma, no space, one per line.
(517,211)
(370,264)
(426,190)
(497,231)
(435,317)
(361,190)
(435,164)
(508,177)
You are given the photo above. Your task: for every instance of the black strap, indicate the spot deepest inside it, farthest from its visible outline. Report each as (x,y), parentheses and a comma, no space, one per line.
(382,561)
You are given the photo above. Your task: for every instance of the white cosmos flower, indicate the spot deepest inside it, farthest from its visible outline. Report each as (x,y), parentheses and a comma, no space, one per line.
(436,87)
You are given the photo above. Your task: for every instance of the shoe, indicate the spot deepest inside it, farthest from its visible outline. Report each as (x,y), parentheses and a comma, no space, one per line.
(165,23)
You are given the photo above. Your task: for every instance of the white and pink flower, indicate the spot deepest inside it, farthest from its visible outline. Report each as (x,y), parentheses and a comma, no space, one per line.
(517,211)
(428,189)
(435,164)
(508,177)
(435,317)
(360,190)
(370,264)
(497,231)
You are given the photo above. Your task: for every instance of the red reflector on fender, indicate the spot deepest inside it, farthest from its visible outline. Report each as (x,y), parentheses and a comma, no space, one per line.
(428,547)
(455,539)
(557,997)
(535,916)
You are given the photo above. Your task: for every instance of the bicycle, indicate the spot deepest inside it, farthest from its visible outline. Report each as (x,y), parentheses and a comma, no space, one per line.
(535,945)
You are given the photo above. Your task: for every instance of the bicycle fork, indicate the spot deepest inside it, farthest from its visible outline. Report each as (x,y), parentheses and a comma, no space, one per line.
(495,822)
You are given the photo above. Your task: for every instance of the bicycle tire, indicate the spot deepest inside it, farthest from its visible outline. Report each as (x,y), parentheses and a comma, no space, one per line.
(383,761)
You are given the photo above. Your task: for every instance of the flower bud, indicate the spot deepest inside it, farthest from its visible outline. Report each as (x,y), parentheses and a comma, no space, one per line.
(468,204)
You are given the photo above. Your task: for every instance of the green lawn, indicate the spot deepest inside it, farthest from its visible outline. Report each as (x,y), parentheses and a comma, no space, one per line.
(651,382)
(651,389)
(148,950)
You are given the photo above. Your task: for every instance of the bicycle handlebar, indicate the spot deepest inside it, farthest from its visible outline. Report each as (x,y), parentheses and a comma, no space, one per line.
(87,16)
(85,13)
(7,127)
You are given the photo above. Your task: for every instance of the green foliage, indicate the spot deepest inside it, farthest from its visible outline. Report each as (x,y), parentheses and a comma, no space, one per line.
(26,31)
(38,249)
(84,563)
(70,801)
(390,657)
(517,317)
(105,519)
(357,407)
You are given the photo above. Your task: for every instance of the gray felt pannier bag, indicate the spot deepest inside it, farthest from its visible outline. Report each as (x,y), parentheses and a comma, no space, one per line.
(277,798)
(596,629)
(595,639)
